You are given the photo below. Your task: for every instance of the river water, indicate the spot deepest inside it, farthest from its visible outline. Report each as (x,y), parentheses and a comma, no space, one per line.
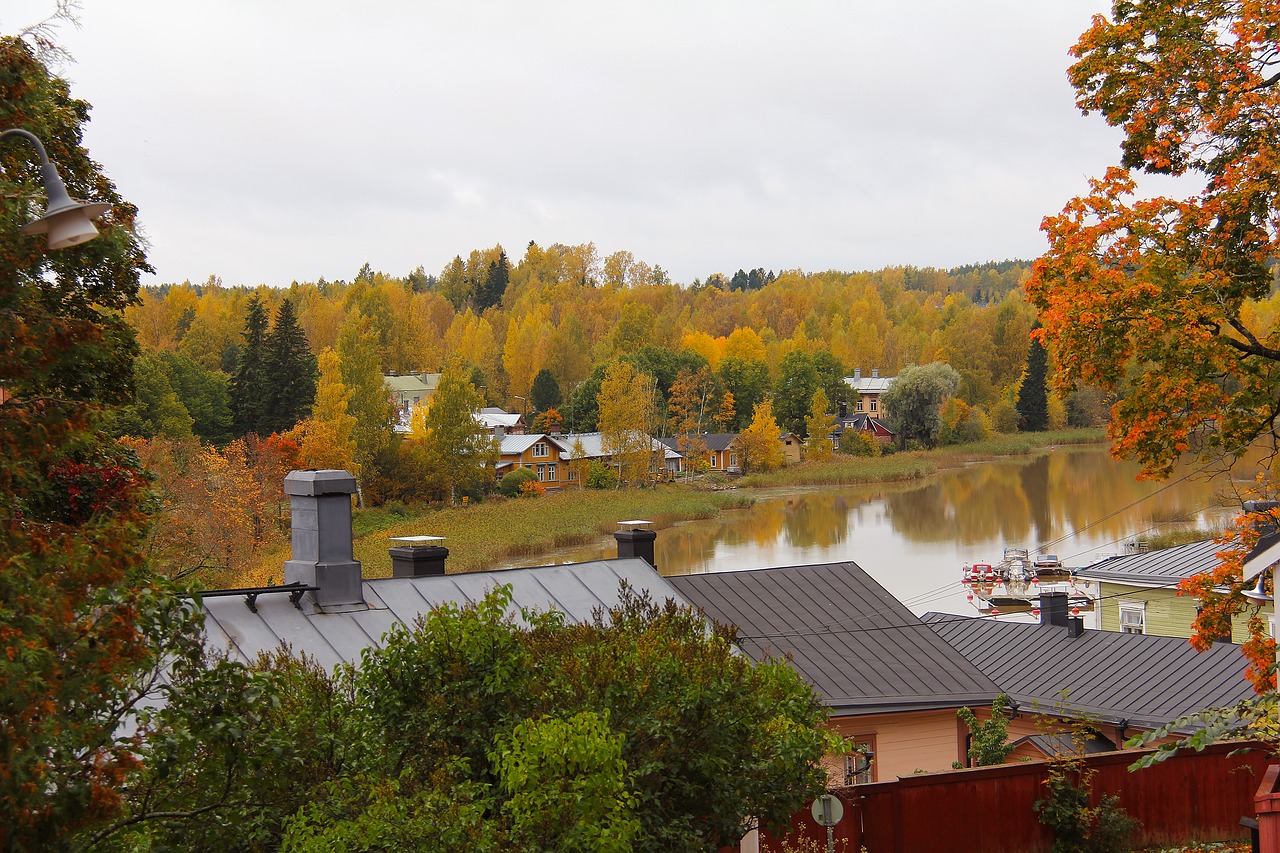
(1076,502)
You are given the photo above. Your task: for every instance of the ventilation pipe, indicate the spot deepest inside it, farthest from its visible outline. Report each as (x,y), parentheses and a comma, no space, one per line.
(635,539)
(418,556)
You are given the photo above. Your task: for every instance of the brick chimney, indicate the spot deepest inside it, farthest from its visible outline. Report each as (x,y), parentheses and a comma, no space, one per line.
(635,539)
(418,556)
(320,514)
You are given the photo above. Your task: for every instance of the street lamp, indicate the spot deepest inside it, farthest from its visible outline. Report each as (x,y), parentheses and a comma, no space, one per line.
(68,222)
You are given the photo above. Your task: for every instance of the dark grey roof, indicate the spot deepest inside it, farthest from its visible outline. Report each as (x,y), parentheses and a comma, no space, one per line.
(1162,568)
(718,441)
(1053,745)
(1144,679)
(857,645)
(341,633)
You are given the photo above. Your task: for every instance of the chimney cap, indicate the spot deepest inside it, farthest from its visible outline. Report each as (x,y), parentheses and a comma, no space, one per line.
(417,541)
(314,482)
(633,524)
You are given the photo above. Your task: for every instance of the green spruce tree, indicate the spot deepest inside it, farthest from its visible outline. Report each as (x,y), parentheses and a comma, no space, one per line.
(490,290)
(250,389)
(1033,394)
(291,372)
(545,391)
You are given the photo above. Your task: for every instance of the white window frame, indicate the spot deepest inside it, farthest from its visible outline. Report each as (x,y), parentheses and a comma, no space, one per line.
(713,459)
(1130,609)
(874,404)
(733,459)
(542,472)
(551,472)
(541,450)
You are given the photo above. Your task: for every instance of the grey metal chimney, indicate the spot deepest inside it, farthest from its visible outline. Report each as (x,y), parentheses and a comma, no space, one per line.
(320,515)
(1075,626)
(635,539)
(1053,609)
(418,556)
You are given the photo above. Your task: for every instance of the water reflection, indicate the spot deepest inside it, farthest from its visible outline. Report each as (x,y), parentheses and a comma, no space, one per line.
(913,538)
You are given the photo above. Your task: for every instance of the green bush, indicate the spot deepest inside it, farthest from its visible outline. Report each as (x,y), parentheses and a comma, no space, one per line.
(511,482)
(858,443)
(601,476)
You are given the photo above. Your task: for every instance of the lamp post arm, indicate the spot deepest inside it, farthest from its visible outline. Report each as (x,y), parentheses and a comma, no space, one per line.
(30,137)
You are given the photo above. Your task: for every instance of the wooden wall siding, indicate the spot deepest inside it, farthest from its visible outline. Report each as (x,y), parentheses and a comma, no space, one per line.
(1191,797)
(907,743)
(1167,614)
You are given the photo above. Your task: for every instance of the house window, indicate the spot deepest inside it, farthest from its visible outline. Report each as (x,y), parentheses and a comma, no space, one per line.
(540,450)
(1133,617)
(733,460)
(551,473)
(873,404)
(542,473)
(713,459)
(1271,625)
(859,765)
(858,408)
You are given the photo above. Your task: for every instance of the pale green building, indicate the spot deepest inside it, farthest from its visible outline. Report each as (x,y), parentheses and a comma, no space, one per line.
(1138,593)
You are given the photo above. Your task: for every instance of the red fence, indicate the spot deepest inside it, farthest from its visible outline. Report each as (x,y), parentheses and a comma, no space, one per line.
(1191,797)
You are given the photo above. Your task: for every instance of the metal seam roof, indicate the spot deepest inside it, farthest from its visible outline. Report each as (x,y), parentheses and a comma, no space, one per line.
(1118,676)
(848,637)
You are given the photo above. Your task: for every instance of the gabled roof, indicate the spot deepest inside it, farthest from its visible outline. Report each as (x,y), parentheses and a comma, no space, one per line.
(340,634)
(1162,568)
(491,417)
(717,441)
(857,645)
(1139,678)
(863,421)
(593,445)
(514,445)
(869,384)
(411,383)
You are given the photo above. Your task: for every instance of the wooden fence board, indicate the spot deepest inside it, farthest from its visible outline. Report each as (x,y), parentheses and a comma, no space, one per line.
(1191,797)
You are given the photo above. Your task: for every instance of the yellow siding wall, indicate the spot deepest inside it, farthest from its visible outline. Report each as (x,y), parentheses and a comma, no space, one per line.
(1167,613)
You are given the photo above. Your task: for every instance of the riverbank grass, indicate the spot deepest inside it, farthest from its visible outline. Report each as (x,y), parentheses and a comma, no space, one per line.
(916,464)
(487,534)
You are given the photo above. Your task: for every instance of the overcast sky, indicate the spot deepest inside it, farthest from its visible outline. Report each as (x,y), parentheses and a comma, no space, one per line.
(266,142)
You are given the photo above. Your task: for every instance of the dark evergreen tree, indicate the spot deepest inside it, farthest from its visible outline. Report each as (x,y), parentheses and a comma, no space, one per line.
(249,387)
(490,291)
(291,373)
(1033,395)
(545,391)
(583,411)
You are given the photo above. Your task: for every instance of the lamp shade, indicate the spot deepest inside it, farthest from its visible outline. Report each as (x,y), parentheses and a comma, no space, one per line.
(68,222)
